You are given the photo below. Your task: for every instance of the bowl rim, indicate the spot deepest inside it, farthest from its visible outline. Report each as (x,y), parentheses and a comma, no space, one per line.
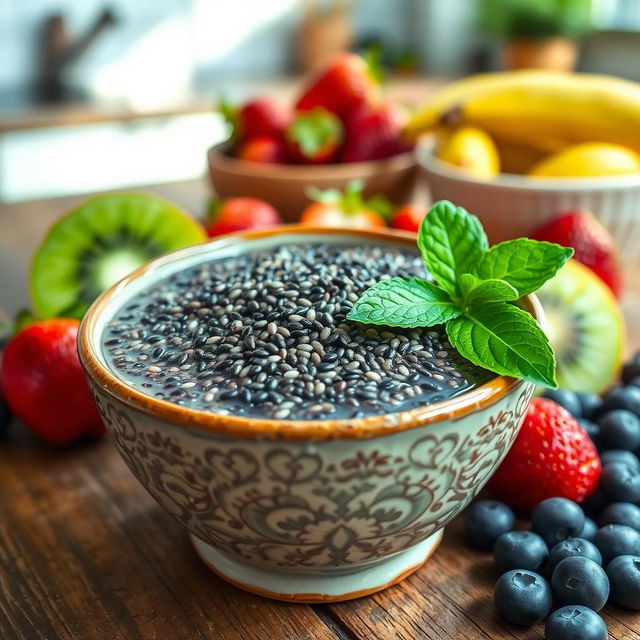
(261,428)
(218,160)
(428,162)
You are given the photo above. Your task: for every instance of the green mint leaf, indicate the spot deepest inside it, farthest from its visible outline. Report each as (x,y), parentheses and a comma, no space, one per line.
(506,340)
(475,291)
(404,302)
(525,264)
(451,242)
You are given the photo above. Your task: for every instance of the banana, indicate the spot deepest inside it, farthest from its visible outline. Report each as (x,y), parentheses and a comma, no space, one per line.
(563,108)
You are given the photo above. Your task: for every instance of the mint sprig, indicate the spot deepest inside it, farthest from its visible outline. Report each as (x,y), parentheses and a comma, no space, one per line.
(474,293)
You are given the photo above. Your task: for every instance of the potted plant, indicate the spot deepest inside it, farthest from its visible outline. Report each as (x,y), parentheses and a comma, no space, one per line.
(538,33)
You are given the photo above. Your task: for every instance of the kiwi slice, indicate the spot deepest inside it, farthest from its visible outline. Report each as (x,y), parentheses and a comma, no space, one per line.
(585,327)
(100,242)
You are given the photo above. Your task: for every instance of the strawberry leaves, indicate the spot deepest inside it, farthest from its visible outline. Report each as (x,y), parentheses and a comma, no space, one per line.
(473,294)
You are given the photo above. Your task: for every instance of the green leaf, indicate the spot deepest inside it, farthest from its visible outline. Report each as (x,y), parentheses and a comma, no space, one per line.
(404,302)
(525,264)
(451,242)
(313,130)
(506,340)
(475,291)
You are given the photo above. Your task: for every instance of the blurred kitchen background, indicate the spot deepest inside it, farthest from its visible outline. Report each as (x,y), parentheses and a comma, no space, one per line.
(102,94)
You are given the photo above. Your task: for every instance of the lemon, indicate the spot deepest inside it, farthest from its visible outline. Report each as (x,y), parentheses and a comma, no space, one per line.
(589,159)
(471,149)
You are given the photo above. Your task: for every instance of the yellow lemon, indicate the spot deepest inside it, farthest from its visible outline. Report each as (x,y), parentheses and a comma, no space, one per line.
(589,159)
(470,149)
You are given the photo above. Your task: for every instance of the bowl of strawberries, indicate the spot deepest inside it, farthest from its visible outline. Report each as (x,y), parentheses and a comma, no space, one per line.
(339,129)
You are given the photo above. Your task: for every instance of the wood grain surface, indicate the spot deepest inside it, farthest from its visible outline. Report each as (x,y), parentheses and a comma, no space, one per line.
(86,554)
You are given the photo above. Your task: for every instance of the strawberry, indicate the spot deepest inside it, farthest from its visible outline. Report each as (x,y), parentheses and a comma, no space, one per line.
(262,149)
(593,244)
(342,85)
(314,136)
(238,214)
(552,456)
(409,218)
(44,385)
(258,117)
(373,133)
(335,209)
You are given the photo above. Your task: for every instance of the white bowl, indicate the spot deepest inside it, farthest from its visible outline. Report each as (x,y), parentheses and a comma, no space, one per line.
(511,206)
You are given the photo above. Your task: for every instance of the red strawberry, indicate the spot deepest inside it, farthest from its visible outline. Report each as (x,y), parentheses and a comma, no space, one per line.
(238,214)
(552,456)
(258,117)
(342,85)
(593,244)
(409,218)
(44,385)
(262,149)
(373,133)
(315,136)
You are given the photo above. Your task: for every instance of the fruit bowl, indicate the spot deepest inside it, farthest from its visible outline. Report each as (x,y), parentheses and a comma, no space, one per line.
(284,186)
(512,206)
(307,510)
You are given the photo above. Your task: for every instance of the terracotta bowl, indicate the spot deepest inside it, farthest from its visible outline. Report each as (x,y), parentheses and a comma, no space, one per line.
(309,511)
(284,185)
(511,206)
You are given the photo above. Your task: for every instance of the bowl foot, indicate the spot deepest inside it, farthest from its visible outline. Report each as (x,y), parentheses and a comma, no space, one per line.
(293,587)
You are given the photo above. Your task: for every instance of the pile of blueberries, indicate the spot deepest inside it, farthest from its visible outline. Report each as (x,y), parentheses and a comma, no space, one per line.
(567,563)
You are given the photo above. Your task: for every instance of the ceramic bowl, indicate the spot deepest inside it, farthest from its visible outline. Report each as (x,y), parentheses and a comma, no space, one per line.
(511,206)
(310,511)
(285,185)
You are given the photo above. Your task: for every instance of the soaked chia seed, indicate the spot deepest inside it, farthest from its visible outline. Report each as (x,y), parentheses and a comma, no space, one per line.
(265,334)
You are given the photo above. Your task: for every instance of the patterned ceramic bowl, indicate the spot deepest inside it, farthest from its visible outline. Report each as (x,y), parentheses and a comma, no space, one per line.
(308,511)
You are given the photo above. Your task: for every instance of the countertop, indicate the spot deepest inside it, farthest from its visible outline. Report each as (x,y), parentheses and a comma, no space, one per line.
(86,554)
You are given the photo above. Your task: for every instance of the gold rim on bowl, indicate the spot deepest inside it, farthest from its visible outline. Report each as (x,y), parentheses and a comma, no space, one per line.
(89,344)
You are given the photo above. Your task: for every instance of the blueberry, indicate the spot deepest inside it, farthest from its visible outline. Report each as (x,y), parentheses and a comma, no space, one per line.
(557,519)
(575,623)
(579,580)
(624,576)
(486,521)
(620,483)
(620,455)
(573,547)
(615,540)
(566,398)
(620,429)
(589,530)
(519,550)
(593,431)
(595,503)
(629,371)
(522,597)
(621,513)
(627,398)
(590,403)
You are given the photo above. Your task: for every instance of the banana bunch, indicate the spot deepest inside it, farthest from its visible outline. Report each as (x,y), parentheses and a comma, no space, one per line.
(532,116)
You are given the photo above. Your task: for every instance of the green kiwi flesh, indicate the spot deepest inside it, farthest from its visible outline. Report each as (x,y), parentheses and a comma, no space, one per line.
(99,243)
(585,328)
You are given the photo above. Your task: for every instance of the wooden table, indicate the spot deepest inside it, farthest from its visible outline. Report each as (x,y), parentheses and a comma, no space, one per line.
(86,554)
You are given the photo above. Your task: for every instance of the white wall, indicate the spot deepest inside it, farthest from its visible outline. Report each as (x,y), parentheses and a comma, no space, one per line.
(167,43)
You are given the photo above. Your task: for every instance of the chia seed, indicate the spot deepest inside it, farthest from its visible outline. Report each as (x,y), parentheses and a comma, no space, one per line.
(270,330)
